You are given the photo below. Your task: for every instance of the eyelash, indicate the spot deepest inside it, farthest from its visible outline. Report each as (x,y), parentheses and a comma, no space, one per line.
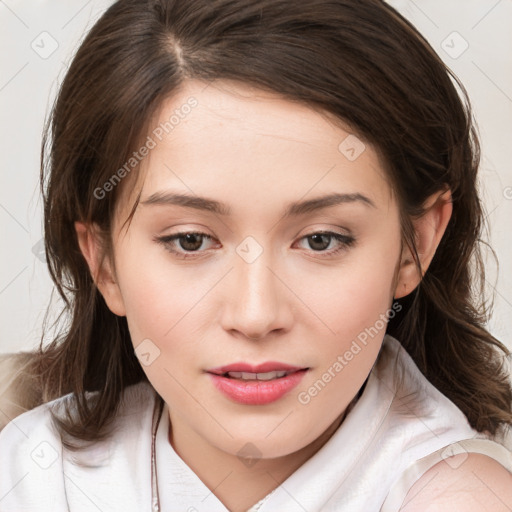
(345,242)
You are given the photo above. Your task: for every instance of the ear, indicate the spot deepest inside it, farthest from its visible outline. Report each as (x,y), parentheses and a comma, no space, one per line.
(100,266)
(428,229)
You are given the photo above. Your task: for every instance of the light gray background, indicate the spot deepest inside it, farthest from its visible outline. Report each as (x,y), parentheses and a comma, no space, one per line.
(37,41)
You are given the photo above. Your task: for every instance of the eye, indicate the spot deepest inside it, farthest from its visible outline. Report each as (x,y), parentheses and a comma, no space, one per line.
(190,242)
(320,240)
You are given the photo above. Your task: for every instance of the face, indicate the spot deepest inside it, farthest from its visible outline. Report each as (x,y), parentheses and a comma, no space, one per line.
(260,279)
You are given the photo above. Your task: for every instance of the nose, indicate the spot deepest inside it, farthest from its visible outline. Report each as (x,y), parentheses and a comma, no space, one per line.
(256,300)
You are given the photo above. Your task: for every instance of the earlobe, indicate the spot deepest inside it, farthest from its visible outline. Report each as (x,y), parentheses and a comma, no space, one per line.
(428,230)
(100,266)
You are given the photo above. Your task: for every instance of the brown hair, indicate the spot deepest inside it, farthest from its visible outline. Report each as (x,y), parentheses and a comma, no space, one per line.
(359,61)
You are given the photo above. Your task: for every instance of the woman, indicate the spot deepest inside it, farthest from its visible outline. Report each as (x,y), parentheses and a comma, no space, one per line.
(262,216)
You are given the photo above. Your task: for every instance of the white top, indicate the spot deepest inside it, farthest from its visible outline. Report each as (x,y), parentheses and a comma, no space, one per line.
(399,428)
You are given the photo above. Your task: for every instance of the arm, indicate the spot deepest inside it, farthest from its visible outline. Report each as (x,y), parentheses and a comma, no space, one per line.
(465,483)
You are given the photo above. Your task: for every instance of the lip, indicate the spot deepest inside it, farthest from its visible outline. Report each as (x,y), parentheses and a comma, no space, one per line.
(256,392)
(269,366)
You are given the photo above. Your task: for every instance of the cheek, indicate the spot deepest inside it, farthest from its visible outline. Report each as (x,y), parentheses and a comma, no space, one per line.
(161,305)
(152,294)
(353,297)
(355,304)
(355,309)
(158,299)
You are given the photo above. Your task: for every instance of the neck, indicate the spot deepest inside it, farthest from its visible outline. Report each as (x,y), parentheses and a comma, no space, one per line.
(236,485)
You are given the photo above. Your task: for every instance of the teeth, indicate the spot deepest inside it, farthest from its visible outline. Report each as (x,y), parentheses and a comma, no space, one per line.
(257,376)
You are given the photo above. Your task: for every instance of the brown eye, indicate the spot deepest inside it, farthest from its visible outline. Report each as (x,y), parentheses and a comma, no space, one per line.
(192,241)
(321,240)
(188,242)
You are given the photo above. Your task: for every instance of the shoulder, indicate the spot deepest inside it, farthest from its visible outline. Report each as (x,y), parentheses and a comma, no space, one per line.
(28,426)
(464,482)
(424,425)
(30,461)
(39,421)
(35,466)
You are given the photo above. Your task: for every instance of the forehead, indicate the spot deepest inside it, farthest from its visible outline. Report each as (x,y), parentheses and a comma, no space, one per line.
(251,147)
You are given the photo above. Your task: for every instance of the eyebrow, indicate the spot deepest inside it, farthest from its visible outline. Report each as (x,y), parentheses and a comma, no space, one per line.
(293,209)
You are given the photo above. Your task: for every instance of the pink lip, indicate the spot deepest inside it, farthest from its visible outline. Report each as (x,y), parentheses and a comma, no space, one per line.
(269,366)
(257,392)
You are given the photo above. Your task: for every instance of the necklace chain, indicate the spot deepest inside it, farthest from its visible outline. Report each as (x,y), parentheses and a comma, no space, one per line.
(157,415)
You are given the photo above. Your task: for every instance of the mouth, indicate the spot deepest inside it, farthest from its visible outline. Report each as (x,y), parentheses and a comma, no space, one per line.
(263,376)
(256,385)
(263,371)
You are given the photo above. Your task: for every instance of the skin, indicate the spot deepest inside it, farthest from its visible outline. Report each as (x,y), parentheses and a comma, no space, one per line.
(295,303)
(465,482)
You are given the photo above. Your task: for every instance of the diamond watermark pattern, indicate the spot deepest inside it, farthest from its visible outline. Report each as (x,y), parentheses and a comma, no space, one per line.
(249,249)
(147,352)
(44,45)
(38,251)
(44,455)
(249,454)
(454,45)
(351,147)
(450,451)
